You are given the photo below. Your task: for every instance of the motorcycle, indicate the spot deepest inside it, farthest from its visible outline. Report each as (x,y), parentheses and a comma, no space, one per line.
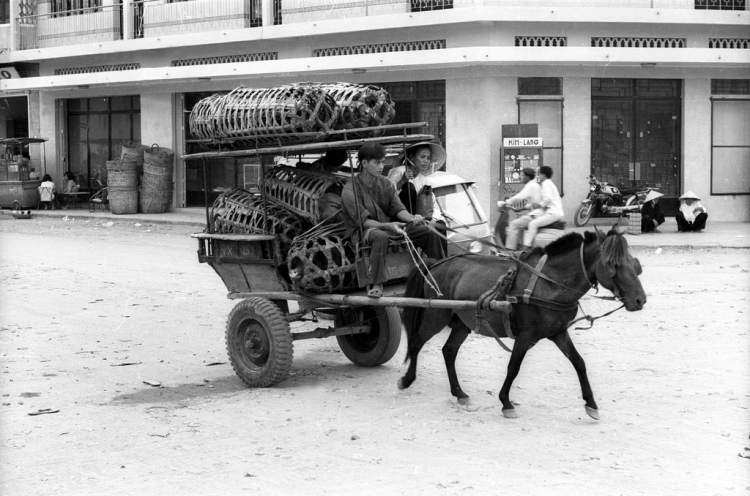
(501,233)
(605,200)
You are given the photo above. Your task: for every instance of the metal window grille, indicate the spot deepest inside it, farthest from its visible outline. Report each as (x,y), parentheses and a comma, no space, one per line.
(227,59)
(406,46)
(276,12)
(541,41)
(730,86)
(96,68)
(607,42)
(736,43)
(73,7)
(427,5)
(721,4)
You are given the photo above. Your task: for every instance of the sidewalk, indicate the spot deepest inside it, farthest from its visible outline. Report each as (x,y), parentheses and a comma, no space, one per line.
(718,234)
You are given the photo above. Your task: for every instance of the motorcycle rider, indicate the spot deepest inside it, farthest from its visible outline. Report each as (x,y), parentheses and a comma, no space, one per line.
(532,192)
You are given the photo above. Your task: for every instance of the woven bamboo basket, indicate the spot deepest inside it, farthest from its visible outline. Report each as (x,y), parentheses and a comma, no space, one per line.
(121,165)
(152,181)
(301,191)
(322,260)
(634,223)
(239,211)
(157,156)
(155,201)
(120,179)
(133,151)
(122,200)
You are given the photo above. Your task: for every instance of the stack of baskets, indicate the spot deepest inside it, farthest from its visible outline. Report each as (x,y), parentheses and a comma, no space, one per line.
(156,183)
(122,186)
(134,151)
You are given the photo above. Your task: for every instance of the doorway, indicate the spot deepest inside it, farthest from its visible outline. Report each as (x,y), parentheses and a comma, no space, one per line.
(636,137)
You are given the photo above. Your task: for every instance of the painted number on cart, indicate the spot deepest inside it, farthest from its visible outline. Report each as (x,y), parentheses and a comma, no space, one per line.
(227,250)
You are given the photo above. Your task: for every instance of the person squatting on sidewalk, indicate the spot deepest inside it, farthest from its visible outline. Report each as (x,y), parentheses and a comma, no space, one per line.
(692,215)
(370,200)
(544,202)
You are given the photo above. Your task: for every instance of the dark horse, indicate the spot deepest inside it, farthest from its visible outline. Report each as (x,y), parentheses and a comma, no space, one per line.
(574,264)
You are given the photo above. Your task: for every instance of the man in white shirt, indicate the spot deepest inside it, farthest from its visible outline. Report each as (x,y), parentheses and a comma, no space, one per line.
(532,193)
(551,204)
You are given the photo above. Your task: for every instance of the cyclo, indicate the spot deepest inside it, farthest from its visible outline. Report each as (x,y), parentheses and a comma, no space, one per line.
(268,258)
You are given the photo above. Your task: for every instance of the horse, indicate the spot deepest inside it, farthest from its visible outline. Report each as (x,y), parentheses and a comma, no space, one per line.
(574,264)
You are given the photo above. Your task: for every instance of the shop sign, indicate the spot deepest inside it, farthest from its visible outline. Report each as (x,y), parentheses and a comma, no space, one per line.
(519,142)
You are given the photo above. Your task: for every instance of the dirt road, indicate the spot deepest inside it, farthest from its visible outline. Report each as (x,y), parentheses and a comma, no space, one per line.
(119,331)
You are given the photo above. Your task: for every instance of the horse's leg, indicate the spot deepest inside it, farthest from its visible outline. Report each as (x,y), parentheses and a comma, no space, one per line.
(458,335)
(563,341)
(522,344)
(433,322)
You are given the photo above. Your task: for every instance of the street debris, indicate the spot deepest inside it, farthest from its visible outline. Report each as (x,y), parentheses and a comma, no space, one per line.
(153,383)
(124,364)
(43,411)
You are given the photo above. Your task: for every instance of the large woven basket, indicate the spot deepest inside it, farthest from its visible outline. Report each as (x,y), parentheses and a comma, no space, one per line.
(158,156)
(155,201)
(122,201)
(152,181)
(122,165)
(119,179)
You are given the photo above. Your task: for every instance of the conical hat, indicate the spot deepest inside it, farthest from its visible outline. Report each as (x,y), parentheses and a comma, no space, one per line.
(652,195)
(437,151)
(690,195)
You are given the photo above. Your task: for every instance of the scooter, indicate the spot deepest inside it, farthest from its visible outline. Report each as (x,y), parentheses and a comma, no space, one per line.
(605,200)
(503,236)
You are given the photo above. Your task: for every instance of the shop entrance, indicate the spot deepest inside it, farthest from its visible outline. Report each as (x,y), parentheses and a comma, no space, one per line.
(636,135)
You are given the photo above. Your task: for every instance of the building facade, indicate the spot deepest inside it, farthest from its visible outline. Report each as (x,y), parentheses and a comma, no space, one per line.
(636,92)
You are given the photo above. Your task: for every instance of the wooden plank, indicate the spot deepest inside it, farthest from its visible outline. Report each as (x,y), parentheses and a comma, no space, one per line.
(235,237)
(311,147)
(359,301)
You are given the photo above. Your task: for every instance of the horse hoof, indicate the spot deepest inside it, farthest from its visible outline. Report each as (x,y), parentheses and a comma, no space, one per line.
(592,412)
(400,383)
(510,413)
(463,401)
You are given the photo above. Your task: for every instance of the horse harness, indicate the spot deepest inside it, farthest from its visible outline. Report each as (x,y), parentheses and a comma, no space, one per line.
(501,289)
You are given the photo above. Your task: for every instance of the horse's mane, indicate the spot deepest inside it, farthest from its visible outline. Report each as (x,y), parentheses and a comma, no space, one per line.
(614,248)
(564,244)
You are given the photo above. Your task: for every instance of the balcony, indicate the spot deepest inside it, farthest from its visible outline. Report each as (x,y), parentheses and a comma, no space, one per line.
(199,16)
(71,27)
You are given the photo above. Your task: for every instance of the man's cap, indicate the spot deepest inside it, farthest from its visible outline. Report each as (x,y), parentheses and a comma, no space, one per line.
(529,171)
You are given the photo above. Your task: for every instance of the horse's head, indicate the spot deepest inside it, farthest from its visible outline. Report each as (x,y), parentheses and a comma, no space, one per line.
(618,271)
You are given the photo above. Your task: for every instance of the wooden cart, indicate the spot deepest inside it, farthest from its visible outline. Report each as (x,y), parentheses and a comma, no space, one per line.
(258,336)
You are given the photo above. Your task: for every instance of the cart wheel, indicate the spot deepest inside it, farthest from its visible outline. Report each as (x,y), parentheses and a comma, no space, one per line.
(259,342)
(583,214)
(377,346)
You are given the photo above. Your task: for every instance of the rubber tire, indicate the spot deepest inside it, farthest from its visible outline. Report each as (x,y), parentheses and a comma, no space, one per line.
(582,216)
(375,347)
(261,321)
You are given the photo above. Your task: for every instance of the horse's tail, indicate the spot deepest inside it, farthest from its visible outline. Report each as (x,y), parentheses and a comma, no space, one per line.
(413,315)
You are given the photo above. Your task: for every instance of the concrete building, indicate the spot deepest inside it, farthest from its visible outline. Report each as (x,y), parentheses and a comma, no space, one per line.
(636,92)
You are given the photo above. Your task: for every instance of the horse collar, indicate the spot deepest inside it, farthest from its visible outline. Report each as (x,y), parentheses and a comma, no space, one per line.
(583,267)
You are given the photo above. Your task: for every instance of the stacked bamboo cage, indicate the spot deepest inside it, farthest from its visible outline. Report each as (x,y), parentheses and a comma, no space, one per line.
(291,114)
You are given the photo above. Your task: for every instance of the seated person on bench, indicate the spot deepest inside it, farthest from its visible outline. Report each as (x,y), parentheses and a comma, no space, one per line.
(370,200)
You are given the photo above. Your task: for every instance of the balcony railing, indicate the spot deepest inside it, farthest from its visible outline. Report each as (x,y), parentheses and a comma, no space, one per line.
(721,4)
(70,27)
(200,15)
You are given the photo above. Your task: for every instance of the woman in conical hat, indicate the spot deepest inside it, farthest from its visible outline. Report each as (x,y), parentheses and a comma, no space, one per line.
(692,215)
(651,216)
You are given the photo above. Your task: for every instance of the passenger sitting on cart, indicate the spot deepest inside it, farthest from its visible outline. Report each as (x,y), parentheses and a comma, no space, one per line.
(370,200)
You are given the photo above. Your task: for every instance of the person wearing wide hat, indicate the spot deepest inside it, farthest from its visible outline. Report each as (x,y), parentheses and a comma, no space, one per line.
(692,215)
(651,216)
(411,183)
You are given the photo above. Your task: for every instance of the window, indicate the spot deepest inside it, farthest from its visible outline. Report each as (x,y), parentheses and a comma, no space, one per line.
(721,4)
(426,5)
(97,130)
(540,102)
(73,7)
(4,11)
(730,137)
